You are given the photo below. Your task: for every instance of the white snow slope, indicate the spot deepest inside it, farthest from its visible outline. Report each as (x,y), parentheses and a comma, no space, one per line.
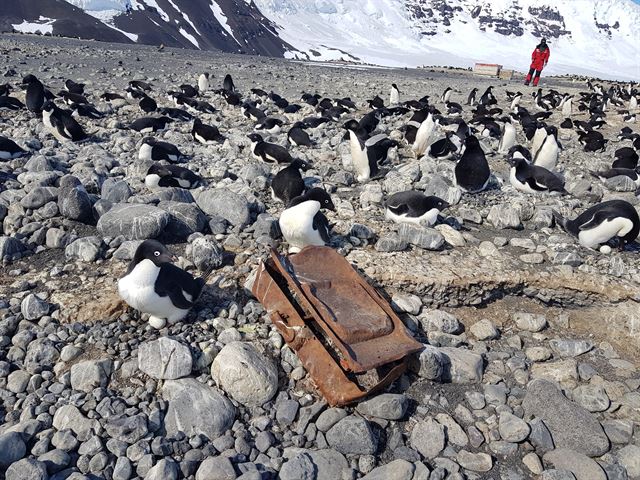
(593,37)
(383,32)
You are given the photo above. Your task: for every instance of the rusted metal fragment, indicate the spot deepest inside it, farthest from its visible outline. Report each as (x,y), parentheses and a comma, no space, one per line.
(346,335)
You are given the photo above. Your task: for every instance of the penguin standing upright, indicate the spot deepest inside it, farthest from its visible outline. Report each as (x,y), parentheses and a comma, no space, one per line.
(203,82)
(446,95)
(567,106)
(394,95)
(614,219)
(508,137)
(423,136)
(302,223)
(34,97)
(471,99)
(367,153)
(228,85)
(516,101)
(547,155)
(472,173)
(156,286)
(538,138)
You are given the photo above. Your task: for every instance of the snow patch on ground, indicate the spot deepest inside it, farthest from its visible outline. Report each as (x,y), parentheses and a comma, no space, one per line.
(31,27)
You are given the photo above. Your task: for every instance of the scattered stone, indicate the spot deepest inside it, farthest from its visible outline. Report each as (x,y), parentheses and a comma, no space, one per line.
(12,448)
(530,322)
(395,470)
(226,204)
(423,237)
(461,366)
(484,330)
(390,406)
(195,409)
(352,435)
(571,426)
(245,374)
(592,397)
(86,376)
(216,468)
(165,359)
(27,469)
(33,307)
(134,222)
(504,216)
(476,462)
(427,437)
(512,428)
(570,348)
(629,458)
(583,467)
(406,303)
(300,467)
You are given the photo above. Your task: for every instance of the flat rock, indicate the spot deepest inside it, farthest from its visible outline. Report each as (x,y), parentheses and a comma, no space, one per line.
(234,208)
(512,428)
(571,426)
(27,469)
(165,359)
(395,470)
(629,458)
(69,417)
(134,222)
(558,371)
(12,448)
(476,462)
(195,408)
(570,348)
(300,467)
(461,366)
(428,438)
(216,468)
(90,374)
(583,467)
(390,406)
(246,375)
(530,322)
(352,435)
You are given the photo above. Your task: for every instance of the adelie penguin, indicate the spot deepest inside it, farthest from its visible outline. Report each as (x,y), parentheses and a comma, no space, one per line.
(227,84)
(471,99)
(625,157)
(632,173)
(10,149)
(288,184)
(74,87)
(443,148)
(547,155)
(206,134)
(414,207)
(154,285)
(270,125)
(367,153)
(446,95)
(394,95)
(472,173)
(153,149)
(160,175)
(34,97)
(148,104)
(150,124)
(508,137)
(533,179)
(302,223)
(298,137)
(203,82)
(268,152)
(62,124)
(615,220)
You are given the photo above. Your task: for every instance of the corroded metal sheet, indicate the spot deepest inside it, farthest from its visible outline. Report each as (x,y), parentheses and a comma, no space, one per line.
(346,335)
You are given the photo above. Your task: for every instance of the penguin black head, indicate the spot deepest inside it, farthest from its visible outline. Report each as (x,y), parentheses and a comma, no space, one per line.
(350,125)
(321,196)
(301,164)
(396,87)
(437,202)
(154,251)
(29,79)
(255,137)
(299,125)
(158,169)
(471,141)
(149,141)
(516,161)
(48,107)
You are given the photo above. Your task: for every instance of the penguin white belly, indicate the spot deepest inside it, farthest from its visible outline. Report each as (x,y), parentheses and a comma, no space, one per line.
(147,130)
(203,84)
(566,108)
(548,155)
(145,152)
(517,184)
(394,97)
(137,289)
(296,224)
(422,137)
(616,227)
(359,159)
(152,180)
(508,139)
(426,219)
(515,102)
(203,140)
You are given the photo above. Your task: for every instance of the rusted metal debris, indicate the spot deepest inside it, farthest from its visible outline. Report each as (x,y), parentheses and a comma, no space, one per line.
(346,335)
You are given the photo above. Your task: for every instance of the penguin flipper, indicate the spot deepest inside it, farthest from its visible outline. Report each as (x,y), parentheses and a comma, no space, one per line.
(174,282)
(598,217)
(321,224)
(400,209)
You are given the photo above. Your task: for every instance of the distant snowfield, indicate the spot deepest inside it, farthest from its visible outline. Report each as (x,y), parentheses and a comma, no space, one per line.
(31,27)
(379,32)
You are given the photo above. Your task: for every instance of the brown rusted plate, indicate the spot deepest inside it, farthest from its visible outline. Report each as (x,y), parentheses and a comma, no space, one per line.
(335,321)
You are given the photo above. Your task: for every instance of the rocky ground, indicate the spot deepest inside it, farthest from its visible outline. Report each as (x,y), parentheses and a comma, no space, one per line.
(530,366)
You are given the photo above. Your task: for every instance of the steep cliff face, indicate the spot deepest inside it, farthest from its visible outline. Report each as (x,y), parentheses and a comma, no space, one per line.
(597,37)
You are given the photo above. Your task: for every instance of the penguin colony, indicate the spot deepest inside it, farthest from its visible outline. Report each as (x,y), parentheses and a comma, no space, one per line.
(465,129)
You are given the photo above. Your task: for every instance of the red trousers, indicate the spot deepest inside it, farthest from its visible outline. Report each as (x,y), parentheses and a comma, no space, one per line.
(536,78)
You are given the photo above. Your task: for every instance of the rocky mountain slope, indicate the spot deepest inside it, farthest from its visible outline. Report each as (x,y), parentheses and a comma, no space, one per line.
(594,37)
(530,362)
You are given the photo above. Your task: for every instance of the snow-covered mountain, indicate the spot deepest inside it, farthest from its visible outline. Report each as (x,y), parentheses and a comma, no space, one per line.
(594,37)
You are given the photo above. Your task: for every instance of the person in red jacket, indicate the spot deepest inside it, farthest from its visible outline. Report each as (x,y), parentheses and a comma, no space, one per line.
(539,59)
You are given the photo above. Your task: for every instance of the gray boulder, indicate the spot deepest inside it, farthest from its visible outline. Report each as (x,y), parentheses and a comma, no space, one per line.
(12,448)
(134,222)
(352,435)
(165,359)
(27,469)
(88,375)
(87,249)
(245,374)
(234,208)
(195,409)
(186,219)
